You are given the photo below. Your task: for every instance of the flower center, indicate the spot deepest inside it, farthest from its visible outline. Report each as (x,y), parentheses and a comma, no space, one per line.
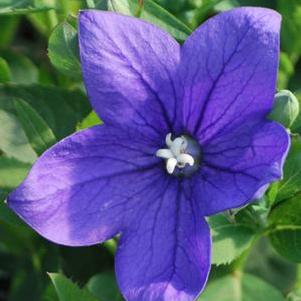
(182,155)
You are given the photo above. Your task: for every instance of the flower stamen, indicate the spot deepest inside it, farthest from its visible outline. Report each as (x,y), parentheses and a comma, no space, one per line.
(176,154)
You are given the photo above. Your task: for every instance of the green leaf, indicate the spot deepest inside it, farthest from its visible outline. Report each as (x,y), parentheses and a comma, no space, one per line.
(9,25)
(285,229)
(91,120)
(61,109)
(63,50)
(37,131)
(104,287)
(13,141)
(68,291)
(151,12)
(291,26)
(230,240)
(12,172)
(22,69)
(12,7)
(4,71)
(291,184)
(240,287)
(286,70)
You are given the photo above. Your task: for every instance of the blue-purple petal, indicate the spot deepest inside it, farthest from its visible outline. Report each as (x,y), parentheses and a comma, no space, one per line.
(238,165)
(129,68)
(229,68)
(165,253)
(86,188)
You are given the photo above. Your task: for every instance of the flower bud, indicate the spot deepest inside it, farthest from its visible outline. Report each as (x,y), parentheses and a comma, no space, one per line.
(286,108)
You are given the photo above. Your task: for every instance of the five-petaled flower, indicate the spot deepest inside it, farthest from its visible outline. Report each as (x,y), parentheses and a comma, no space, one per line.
(185,136)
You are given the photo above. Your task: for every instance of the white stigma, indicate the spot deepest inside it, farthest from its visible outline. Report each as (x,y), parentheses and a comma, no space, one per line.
(175,153)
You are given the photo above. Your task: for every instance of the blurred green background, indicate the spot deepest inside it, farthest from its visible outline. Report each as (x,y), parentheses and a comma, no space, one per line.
(42,100)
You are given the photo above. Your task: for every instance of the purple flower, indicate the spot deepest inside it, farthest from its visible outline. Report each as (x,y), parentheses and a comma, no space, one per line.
(185,136)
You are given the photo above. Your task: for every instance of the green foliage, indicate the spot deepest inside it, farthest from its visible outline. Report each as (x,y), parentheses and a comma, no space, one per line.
(285,224)
(291,14)
(12,172)
(67,290)
(286,70)
(61,109)
(91,120)
(4,71)
(149,11)
(63,50)
(291,184)
(104,287)
(8,28)
(10,7)
(42,100)
(13,141)
(238,287)
(230,239)
(40,136)
(18,64)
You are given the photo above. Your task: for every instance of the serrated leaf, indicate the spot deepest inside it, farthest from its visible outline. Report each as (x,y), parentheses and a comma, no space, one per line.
(69,291)
(12,172)
(104,287)
(285,229)
(39,135)
(13,141)
(240,287)
(291,184)
(230,240)
(61,109)
(149,11)
(12,7)
(63,50)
